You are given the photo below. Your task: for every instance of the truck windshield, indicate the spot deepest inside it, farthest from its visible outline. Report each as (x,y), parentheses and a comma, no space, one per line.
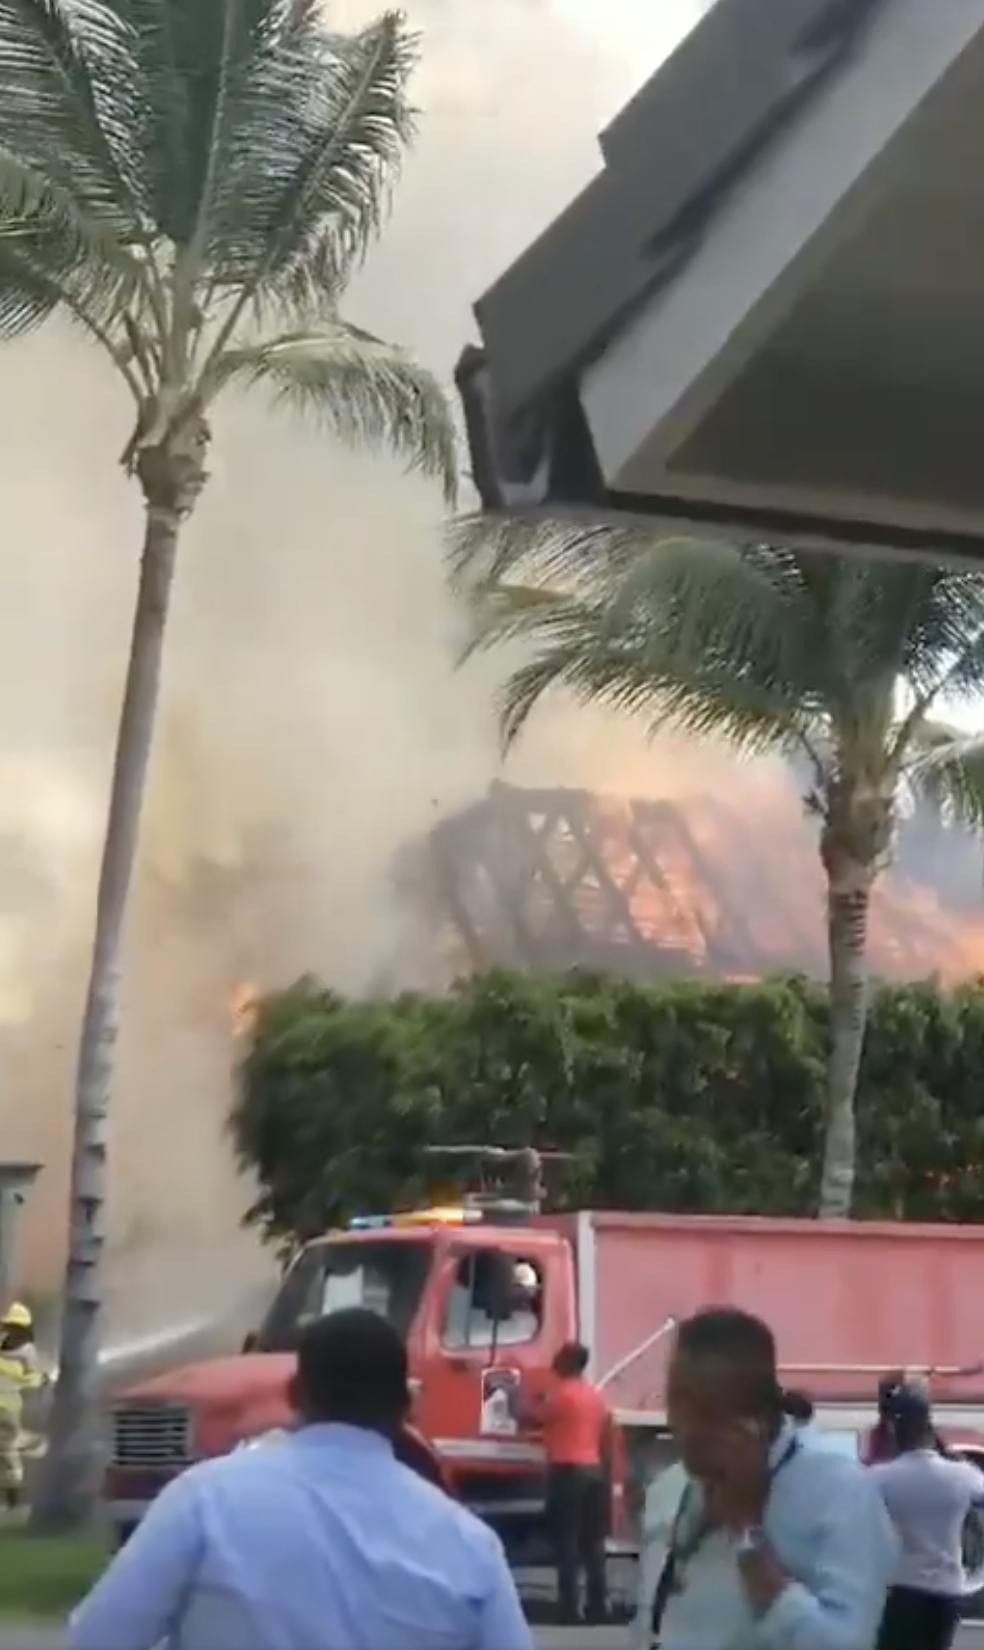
(386,1277)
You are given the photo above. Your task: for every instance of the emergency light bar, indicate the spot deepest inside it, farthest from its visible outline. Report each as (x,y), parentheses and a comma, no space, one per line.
(416,1217)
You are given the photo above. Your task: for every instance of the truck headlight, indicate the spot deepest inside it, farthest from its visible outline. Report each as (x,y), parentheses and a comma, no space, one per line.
(272,1436)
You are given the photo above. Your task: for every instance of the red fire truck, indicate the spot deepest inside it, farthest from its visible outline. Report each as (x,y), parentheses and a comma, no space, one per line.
(848,1301)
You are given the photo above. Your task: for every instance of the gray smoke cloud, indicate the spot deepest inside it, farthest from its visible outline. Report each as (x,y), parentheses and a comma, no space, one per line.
(312,717)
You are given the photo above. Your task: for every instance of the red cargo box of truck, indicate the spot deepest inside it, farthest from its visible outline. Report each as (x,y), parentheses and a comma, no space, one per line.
(847,1300)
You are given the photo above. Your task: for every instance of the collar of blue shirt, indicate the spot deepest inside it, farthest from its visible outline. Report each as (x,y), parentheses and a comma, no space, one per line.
(341,1436)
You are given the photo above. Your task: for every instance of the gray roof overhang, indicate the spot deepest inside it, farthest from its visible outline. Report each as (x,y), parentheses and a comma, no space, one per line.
(765,314)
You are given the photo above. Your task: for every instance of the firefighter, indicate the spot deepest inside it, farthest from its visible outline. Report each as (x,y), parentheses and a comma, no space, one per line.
(20,1372)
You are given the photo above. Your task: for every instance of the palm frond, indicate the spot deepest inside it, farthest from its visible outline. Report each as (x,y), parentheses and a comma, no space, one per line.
(72,232)
(945,769)
(311,197)
(484,552)
(223,89)
(690,602)
(585,658)
(68,110)
(358,136)
(47,236)
(67,138)
(45,264)
(28,294)
(942,653)
(698,651)
(31,198)
(366,392)
(307,290)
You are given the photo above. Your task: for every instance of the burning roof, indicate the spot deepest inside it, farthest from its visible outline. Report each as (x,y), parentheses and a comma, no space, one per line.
(560,878)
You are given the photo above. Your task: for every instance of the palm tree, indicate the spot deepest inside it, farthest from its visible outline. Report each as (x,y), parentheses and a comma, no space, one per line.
(839,663)
(192,182)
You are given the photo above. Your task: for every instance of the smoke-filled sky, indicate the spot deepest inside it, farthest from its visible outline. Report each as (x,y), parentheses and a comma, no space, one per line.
(312,718)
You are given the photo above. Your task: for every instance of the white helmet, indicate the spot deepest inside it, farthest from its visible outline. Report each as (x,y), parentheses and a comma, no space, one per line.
(525,1278)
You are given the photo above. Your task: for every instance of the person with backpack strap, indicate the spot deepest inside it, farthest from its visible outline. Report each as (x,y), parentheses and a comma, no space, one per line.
(772,1544)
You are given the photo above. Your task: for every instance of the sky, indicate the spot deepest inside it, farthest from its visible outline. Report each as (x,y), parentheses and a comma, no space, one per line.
(638,32)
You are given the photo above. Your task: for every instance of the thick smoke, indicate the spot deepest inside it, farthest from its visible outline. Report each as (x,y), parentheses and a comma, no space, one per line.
(312,718)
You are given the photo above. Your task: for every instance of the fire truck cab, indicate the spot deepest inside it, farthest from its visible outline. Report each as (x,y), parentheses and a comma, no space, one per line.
(483,1297)
(483,1305)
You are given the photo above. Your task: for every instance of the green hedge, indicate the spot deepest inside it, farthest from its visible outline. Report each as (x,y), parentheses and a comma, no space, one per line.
(673,1095)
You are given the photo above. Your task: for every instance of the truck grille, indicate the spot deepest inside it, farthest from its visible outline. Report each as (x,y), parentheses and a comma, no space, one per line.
(151,1435)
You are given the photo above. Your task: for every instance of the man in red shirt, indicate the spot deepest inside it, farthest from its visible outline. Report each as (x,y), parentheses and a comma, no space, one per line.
(576,1423)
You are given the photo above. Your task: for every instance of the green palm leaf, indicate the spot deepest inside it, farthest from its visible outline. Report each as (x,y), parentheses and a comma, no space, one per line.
(358,132)
(946,770)
(68,218)
(366,392)
(585,648)
(828,639)
(703,637)
(225,89)
(68,107)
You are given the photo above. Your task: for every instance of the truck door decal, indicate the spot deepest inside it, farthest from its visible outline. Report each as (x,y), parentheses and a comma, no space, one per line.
(500,1387)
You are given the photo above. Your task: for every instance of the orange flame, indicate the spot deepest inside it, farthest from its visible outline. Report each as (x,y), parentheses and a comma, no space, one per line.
(728,884)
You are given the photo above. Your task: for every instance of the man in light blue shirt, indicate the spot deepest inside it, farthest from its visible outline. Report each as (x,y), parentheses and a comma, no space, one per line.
(319,1540)
(771,1544)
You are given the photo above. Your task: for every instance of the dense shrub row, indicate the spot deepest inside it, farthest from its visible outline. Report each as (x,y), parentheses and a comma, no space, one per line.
(673,1095)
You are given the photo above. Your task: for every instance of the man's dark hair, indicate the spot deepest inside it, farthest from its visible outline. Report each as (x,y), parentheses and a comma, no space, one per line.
(887,1388)
(911,1417)
(797,1405)
(352,1368)
(727,1335)
(572,1358)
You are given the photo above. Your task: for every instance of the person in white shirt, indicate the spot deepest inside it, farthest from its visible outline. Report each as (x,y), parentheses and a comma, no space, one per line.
(928,1496)
(320,1540)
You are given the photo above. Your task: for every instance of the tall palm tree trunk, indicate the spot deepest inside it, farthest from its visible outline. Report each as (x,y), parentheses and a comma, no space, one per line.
(848,904)
(69,1480)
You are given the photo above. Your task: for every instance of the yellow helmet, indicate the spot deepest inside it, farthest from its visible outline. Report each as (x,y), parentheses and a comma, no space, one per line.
(17,1316)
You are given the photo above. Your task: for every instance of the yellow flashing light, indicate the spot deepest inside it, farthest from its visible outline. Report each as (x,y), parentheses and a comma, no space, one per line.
(438,1217)
(442,1216)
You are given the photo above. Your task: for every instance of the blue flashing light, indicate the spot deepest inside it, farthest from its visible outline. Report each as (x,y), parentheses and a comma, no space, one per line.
(441,1216)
